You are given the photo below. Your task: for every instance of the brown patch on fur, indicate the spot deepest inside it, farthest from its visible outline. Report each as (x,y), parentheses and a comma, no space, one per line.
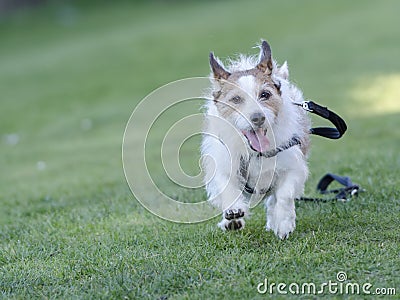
(278,87)
(216,95)
(236,75)
(273,104)
(225,109)
(263,82)
(224,106)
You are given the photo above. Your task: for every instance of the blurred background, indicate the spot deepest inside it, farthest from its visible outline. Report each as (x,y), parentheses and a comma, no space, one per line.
(71,73)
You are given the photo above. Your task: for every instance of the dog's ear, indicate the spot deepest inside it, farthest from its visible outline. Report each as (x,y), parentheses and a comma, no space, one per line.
(218,70)
(265,62)
(283,71)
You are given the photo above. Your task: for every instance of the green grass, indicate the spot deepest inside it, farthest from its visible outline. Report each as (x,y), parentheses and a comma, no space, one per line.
(73,230)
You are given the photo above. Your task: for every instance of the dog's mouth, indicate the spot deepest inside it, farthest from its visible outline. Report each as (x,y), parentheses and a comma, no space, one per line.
(257,139)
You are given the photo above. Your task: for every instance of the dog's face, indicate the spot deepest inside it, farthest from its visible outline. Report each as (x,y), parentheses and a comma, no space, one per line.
(249,99)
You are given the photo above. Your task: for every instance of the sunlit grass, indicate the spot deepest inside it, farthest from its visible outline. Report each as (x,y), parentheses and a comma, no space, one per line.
(377,95)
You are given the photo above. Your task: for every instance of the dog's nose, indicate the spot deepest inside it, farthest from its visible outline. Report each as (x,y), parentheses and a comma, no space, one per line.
(257,118)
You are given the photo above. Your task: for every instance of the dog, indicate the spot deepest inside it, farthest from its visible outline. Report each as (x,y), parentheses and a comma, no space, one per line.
(250,113)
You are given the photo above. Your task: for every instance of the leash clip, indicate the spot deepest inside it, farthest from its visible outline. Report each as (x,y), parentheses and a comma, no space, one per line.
(304,105)
(349,193)
(354,191)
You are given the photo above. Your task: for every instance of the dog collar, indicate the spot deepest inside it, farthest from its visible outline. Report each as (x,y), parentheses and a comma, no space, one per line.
(294,141)
(250,190)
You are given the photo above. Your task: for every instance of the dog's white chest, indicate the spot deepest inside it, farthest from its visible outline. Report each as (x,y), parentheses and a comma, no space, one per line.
(260,173)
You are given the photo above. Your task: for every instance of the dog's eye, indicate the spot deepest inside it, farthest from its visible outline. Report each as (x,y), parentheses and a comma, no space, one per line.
(236,99)
(264,95)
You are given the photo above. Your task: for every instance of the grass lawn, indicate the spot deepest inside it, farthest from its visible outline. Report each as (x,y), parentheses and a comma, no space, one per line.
(70,76)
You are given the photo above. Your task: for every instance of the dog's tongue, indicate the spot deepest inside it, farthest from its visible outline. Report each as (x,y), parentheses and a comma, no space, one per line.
(257,139)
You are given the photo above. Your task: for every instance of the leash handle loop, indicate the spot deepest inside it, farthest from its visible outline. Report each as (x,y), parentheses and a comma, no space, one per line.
(324,112)
(341,194)
(350,189)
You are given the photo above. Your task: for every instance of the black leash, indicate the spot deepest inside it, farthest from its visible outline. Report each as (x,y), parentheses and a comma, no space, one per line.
(324,112)
(327,132)
(342,194)
(350,189)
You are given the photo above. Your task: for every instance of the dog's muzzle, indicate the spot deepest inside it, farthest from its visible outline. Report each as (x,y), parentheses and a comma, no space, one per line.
(257,139)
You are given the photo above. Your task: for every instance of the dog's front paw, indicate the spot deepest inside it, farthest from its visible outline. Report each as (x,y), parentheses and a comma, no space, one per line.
(232,219)
(281,220)
(270,225)
(234,224)
(282,227)
(231,214)
(285,228)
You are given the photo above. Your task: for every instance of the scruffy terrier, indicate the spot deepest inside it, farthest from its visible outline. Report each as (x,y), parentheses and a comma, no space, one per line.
(255,141)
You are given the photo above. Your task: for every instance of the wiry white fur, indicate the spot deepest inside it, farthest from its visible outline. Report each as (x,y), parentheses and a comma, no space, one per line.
(243,62)
(285,174)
